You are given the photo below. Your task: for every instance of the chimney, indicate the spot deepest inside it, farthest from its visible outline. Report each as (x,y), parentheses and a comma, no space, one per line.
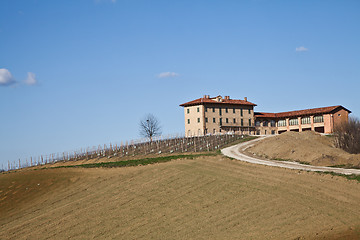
(206,96)
(245,98)
(227,97)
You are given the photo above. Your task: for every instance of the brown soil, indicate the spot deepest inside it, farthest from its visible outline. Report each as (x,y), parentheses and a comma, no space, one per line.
(307,147)
(204,198)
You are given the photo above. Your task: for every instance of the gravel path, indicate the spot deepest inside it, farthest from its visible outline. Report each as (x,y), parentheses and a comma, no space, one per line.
(236,152)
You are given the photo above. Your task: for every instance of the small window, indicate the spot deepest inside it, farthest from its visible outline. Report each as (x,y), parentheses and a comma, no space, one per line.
(213,109)
(233,110)
(214,131)
(227,120)
(305,120)
(318,119)
(188,121)
(198,120)
(226,110)
(206,120)
(188,110)
(220,112)
(198,109)
(249,122)
(220,121)
(272,123)
(293,121)
(242,122)
(249,111)
(272,132)
(214,121)
(234,120)
(205,109)
(241,112)
(265,124)
(282,123)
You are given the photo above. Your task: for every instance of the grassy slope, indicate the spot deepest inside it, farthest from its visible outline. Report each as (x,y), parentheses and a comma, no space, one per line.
(209,197)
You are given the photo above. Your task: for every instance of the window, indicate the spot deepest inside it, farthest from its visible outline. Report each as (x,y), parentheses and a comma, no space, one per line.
(214,121)
(213,109)
(233,110)
(265,123)
(257,123)
(220,121)
(198,120)
(249,111)
(198,109)
(272,123)
(188,110)
(293,121)
(318,119)
(272,132)
(226,110)
(282,123)
(241,112)
(242,122)
(234,120)
(305,120)
(265,132)
(220,111)
(188,121)
(206,120)
(205,109)
(249,122)
(227,120)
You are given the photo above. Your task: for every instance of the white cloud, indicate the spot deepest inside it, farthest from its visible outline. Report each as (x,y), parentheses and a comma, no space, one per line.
(301,49)
(30,80)
(167,75)
(6,78)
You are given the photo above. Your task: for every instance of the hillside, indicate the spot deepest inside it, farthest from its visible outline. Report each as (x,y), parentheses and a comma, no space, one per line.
(308,147)
(209,197)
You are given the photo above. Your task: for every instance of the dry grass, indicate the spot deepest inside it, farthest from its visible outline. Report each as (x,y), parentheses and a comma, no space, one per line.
(307,147)
(205,198)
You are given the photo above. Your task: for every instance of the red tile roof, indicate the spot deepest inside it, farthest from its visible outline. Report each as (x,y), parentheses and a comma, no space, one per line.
(200,101)
(312,111)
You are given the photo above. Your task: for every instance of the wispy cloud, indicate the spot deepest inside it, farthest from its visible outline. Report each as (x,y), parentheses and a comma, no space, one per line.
(167,75)
(301,49)
(31,80)
(6,79)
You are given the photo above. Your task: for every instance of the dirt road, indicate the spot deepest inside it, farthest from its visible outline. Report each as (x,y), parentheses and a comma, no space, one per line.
(236,152)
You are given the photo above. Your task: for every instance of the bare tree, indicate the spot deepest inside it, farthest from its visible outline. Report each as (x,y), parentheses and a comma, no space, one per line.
(150,127)
(347,135)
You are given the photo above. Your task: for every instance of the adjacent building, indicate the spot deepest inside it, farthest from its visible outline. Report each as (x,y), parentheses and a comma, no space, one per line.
(322,120)
(214,115)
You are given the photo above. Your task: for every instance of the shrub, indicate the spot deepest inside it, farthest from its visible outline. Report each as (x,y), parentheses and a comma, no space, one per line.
(347,135)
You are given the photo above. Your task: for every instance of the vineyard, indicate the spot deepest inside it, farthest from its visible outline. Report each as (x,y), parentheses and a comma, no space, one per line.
(160,145)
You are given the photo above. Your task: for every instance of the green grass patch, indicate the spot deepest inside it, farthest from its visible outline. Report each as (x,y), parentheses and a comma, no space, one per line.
(290,160)
(349,177)
(346,166)
(137,162)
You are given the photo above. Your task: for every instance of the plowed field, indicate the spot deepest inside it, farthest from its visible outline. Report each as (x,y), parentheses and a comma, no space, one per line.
(203,198)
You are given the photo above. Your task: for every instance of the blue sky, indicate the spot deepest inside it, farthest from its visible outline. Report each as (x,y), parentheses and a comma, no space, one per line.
(75,74)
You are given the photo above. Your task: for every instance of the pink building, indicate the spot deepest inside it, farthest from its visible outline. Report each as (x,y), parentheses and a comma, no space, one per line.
(212,115)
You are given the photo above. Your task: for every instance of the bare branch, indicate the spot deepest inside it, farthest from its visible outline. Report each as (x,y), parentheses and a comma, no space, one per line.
(150,127)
